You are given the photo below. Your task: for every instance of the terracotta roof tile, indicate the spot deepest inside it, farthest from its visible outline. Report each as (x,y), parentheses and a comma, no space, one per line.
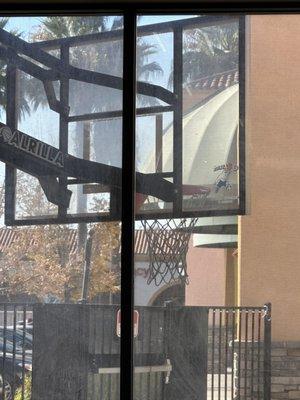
(216,81)
(8,236)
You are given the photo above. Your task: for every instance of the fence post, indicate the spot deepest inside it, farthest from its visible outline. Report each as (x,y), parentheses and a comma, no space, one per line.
(187,342)
(267,351)
(168,306)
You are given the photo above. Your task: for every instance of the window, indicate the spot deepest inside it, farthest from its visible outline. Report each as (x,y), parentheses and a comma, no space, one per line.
(117,133)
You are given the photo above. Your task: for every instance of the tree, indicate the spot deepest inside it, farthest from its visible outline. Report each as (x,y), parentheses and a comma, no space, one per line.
(23,106)
(210,50)
(41,261)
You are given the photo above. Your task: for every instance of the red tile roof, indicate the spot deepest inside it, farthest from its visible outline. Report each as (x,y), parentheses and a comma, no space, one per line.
(140,243)
(217,81)
(198,92)
(8,236)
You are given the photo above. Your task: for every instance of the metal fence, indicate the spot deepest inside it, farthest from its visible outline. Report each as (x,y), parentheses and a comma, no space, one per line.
(15,349)
(239,353)
(181,353)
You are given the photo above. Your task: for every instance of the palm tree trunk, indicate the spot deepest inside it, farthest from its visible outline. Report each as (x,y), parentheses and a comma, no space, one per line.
(83,131)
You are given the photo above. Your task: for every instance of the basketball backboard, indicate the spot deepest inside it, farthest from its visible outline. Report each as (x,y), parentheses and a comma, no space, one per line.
(62,136)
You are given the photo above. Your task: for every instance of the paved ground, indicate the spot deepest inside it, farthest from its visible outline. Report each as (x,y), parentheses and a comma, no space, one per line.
(218,392)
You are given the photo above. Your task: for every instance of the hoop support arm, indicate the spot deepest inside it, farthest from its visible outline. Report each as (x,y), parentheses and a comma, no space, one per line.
(42,160)
(59,69)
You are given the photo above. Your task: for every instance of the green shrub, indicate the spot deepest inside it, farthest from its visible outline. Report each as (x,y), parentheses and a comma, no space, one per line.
(27,390)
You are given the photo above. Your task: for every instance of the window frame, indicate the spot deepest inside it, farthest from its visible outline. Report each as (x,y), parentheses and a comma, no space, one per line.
(130,9)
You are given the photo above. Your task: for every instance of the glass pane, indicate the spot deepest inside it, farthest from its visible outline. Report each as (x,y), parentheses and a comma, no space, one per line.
(102,52)
(185,265)
(35,116)
(61,174)
(86,98)
(79,116)
(211,116)
(192,115)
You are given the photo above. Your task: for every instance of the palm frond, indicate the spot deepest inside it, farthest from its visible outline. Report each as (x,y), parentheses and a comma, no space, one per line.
(3,22)
(149,69)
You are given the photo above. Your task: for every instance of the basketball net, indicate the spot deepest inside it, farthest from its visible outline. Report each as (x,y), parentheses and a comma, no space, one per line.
(168,242)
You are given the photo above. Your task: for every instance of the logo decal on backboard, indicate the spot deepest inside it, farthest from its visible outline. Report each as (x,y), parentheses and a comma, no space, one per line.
(223,179)
(32,146)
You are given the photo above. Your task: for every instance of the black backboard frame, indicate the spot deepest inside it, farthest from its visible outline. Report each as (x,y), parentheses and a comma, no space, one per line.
(175,105)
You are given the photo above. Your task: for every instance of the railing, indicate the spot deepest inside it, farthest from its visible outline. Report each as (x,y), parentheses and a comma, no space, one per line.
(239,353)
(234,343)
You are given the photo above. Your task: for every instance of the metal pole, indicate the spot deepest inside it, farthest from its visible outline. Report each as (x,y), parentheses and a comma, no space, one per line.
(87,266)
(63,118)
(177,124)
(12,122)
(158,142)
(267,351)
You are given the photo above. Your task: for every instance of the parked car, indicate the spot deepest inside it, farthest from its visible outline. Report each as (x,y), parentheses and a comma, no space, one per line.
(8,347)
(15,359)
(17,336)
(28,325)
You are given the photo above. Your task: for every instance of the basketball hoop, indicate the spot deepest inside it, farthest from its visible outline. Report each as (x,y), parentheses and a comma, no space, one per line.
(168,242)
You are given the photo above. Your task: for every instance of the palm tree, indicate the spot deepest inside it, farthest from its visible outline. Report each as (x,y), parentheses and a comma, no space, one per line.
(23,106)
(209,51)
(3,23)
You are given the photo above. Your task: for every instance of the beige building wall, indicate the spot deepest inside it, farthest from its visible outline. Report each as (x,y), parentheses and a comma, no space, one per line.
(207,277)
(269,255)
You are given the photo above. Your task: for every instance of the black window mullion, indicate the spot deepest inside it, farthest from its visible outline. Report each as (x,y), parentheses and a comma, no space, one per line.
(128,200)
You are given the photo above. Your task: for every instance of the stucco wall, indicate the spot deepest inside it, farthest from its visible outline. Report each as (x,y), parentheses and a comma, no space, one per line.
(269,254)
(143,292)
(207,271)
